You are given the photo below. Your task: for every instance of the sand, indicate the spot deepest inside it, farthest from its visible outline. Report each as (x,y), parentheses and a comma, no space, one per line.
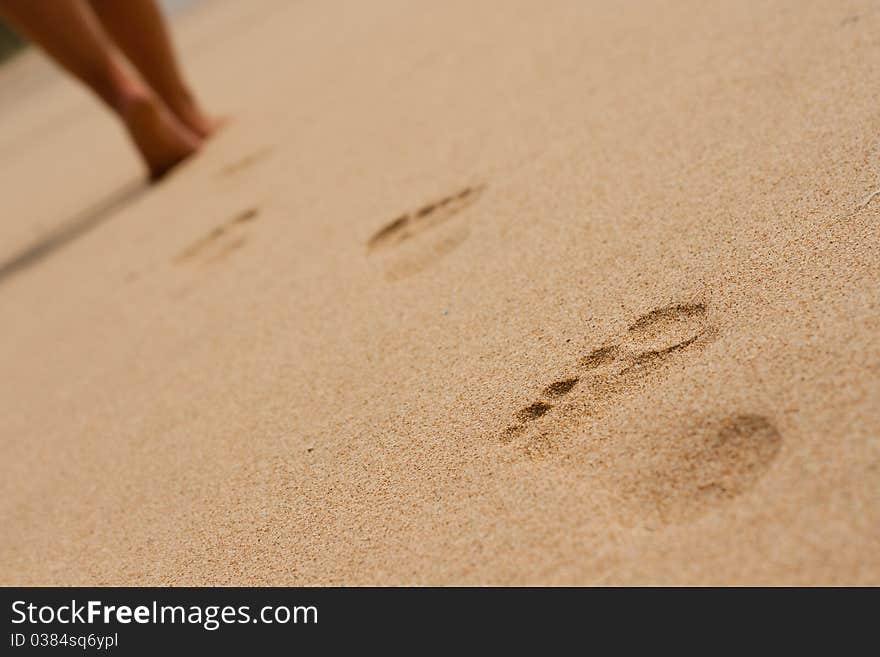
(467,293)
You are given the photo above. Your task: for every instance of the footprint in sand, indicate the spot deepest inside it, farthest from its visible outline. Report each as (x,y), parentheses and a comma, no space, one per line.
(652,342)
(408,251)
(703,467)
(220,242)
(661,334)
(707,466)
(245,162)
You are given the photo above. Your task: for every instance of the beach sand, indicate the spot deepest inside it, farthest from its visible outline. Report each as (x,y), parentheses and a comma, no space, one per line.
(573,292)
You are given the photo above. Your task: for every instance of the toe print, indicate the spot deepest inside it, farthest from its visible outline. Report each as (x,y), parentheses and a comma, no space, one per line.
(533,411)
(649,343)
(394,232)
(428,216)
(219,242)
(406,240)
(560,388)
(245,163)
(600,357)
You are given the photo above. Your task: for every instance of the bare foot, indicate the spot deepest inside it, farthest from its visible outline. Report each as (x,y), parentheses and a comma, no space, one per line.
(191,115)
(161,138)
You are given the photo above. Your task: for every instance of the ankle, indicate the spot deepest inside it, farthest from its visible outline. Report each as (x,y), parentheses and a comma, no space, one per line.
(131,99)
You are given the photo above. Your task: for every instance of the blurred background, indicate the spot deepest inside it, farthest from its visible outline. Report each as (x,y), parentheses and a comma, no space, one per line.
(11,43)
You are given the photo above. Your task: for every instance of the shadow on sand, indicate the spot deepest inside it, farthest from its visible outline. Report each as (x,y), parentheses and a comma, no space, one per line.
(71,229)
